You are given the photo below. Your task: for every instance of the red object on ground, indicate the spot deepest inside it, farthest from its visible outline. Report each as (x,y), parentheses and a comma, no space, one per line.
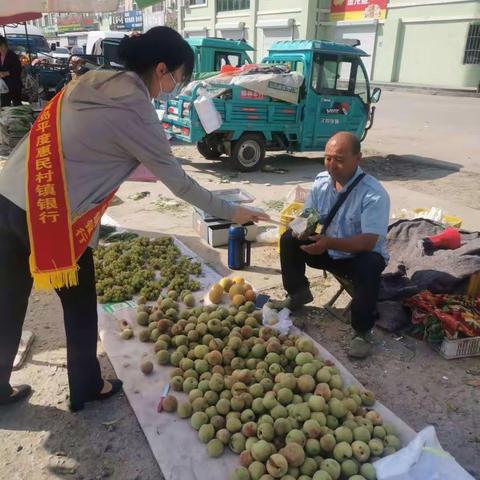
(456,313)
(449,239)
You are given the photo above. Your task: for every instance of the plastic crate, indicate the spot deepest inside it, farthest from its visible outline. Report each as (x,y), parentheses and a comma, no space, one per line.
(473,289)
(452,220)
(461,348)
(289,213)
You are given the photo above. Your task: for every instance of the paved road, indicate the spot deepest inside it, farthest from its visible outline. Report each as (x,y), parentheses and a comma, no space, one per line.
(436,127)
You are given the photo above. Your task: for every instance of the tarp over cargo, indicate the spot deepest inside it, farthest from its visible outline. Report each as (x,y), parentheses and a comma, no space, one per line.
(275,81)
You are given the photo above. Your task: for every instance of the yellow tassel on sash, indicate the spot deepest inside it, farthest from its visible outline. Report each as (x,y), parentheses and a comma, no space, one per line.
(56,279)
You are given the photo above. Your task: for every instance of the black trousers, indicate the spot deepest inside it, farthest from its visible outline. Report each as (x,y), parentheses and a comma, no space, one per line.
(363,270)
(79,308)
(14,96)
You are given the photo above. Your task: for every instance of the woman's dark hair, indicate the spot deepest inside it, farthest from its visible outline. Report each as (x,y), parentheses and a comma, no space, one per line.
(3,41)
(142,53)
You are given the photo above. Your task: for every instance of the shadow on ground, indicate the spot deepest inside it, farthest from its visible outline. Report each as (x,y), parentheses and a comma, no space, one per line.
(302,168)
(406,168)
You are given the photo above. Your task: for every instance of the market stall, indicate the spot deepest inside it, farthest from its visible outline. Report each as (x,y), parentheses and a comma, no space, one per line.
(208,370)
(41,76)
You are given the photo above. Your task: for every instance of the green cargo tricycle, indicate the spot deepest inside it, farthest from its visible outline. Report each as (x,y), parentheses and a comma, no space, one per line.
(335,96)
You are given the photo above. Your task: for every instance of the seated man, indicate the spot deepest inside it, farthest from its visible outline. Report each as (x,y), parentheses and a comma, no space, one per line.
(352,246)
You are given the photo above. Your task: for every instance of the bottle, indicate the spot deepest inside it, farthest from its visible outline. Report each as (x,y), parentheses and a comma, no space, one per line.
(209,116)
(239,248)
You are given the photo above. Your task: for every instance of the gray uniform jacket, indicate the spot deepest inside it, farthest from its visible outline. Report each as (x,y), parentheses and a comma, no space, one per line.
(109,126)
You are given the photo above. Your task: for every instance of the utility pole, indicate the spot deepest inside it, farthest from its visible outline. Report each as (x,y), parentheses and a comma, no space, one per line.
(180,19)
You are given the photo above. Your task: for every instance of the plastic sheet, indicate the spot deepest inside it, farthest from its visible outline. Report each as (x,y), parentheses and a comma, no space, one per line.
(423,458)
(173,442)
(279,321)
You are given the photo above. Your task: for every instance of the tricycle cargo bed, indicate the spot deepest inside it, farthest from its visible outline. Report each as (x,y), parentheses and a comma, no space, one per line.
(242,110)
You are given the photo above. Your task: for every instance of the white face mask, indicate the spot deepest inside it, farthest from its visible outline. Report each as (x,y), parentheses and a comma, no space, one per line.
(165,96)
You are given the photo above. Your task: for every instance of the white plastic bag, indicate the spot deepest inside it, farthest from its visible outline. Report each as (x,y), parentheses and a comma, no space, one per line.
(268,236)
(3,87)
(298,225)
(297,194)
(209,116)
(279,321)
(423,458)
(435,214)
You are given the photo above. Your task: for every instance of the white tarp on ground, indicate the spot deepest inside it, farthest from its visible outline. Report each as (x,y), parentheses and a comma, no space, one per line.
(173,442)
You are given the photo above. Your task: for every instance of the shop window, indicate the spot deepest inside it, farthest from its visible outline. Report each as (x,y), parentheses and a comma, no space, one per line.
(228,5)
(158,7)
(472,48)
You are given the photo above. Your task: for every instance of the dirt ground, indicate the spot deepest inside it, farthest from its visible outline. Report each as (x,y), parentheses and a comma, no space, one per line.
(41,439)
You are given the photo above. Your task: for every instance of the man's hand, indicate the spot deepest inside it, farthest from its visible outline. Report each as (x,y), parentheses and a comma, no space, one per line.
(319,247)
(4,74)
(244,215)
(302,236)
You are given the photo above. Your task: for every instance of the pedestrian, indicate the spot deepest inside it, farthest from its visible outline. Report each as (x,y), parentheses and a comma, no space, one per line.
(11,73)
(352,243)
(55,187)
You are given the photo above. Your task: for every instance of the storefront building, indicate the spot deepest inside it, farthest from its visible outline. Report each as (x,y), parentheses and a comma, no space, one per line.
(259,22)
(420,42)
(430,42)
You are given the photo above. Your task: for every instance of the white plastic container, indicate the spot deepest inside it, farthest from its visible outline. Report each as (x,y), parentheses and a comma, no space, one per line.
(209,116)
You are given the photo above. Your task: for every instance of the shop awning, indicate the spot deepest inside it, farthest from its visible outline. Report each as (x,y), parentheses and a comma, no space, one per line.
(146,3)
(19,11)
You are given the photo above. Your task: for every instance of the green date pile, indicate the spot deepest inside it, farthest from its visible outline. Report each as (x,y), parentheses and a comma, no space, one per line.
(270,399)
(127,268)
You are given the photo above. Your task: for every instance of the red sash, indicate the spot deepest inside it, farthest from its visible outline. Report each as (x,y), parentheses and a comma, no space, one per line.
(56,242)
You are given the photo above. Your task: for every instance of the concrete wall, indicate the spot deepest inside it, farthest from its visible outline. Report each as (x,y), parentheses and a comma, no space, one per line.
(264,22)
(423,42)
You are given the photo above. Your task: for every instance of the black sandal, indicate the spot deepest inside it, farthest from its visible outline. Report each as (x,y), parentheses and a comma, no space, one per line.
(19,393)
(116,387)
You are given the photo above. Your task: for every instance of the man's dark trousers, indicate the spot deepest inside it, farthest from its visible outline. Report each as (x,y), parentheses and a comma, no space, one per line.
(363,270)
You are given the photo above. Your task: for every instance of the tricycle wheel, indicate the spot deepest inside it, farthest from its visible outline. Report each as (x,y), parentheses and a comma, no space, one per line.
(208,150)
(248,152)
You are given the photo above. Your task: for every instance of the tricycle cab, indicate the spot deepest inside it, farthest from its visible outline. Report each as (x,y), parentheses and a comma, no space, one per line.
(212,54)
(336,93)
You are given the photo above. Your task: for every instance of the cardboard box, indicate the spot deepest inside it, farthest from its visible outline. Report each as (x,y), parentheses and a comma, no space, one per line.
(215,231)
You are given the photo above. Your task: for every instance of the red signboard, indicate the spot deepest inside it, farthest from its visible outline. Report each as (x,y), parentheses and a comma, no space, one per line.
(76,23)
(358,9)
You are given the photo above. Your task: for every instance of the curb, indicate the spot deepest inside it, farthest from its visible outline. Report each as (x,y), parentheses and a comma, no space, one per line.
(449,92)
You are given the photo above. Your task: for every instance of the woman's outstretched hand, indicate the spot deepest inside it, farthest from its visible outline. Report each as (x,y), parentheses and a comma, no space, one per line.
(249,214)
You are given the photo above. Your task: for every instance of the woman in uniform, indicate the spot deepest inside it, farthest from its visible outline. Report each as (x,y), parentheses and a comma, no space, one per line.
(57,183)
